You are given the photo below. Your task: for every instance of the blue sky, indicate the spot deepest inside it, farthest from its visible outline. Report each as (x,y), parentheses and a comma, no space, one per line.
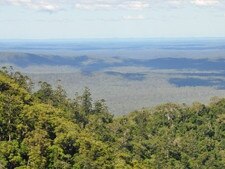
(70,19)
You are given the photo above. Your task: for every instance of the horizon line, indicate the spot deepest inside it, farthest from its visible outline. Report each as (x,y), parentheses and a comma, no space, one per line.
(109,38)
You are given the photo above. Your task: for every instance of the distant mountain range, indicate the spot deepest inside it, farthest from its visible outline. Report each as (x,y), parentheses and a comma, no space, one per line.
(88,64)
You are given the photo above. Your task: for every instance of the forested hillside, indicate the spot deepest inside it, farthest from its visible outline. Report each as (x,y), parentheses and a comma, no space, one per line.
(46,129)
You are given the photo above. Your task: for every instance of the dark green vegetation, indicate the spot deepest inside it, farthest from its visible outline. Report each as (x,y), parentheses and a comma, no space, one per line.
(45,129)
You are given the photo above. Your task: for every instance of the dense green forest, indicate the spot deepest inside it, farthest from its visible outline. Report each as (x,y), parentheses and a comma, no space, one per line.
(46,129)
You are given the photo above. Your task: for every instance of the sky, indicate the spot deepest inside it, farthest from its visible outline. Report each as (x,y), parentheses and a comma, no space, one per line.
(75,19)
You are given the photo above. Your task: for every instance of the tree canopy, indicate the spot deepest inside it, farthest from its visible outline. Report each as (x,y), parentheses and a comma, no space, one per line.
(46,129)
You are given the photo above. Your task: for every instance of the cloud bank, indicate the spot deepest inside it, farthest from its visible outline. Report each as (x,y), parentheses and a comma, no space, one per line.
(56,5)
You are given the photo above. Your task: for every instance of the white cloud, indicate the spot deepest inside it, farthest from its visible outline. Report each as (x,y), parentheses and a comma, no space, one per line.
(85,6)
(200,3)
(175,2)
(37,5)
(112,4)
(135,5)
(134,17)
(205,2)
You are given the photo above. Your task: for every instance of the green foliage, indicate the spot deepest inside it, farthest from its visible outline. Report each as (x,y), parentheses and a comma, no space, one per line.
(45,129)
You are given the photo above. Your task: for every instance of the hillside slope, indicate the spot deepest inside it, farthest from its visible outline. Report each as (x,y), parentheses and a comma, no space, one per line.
(45,129)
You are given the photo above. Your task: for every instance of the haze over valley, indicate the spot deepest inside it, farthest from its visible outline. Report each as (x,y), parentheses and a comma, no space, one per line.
(128,73)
